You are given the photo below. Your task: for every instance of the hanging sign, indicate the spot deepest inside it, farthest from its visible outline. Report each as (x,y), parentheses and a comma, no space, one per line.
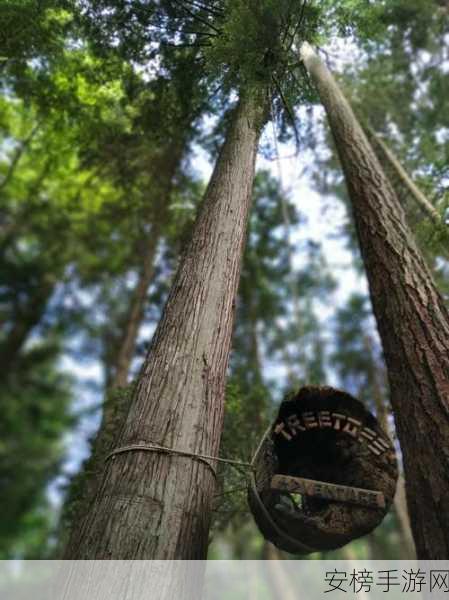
(324,474)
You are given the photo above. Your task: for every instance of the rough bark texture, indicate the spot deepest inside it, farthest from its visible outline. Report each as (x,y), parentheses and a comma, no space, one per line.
(412,319)
(155,506)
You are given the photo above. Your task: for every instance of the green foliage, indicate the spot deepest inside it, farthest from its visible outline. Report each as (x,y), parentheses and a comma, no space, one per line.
(249,44)
(35,414)
(33,28)
(354,17)
(247,416)
(357,356)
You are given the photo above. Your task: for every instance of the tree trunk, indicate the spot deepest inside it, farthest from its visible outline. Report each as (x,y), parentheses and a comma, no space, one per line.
(25,322)
(412,320)
(377,381)
(127,343)
(400,506)
(421,200)
(153,505)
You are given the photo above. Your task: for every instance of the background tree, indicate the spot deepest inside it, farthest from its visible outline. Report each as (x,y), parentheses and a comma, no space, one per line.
(359,362)
(402,311)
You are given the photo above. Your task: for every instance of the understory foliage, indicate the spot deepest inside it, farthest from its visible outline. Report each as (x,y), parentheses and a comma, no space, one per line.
(109,112)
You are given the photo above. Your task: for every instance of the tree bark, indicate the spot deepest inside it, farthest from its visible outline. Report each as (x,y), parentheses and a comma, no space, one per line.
(153,505)
(412,319)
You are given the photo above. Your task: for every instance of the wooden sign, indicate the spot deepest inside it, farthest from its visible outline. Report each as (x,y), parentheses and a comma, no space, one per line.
(328,491)
(324,433)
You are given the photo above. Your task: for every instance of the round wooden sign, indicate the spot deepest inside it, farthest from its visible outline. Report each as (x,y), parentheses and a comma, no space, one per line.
(324,474)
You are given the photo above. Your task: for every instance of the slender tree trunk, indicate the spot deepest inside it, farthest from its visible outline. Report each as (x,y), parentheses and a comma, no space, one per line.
(376,381)
(412,319)
(420,198)
(127,343)
(376,377)
(25,322)
(405,530)
(153,505)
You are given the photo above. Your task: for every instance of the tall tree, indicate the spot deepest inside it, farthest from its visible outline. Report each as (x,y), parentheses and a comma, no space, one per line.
(178,401)
(412,319)
(179,397)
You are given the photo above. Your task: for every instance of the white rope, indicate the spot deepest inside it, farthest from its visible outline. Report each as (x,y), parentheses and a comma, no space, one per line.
(203,458)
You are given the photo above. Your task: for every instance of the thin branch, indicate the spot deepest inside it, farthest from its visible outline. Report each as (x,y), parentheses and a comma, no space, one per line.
(298,24)
(212,10)
(171,45)
(200,19)
(231,491)
(420,198)
(287,109)
(182,31)
(288,23)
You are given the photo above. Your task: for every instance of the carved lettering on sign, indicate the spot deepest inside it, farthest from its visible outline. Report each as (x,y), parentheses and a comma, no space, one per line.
(338,418)
(280,428)
(328,491)
(324,419)
(352,427)
(295,424)
(309,420)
